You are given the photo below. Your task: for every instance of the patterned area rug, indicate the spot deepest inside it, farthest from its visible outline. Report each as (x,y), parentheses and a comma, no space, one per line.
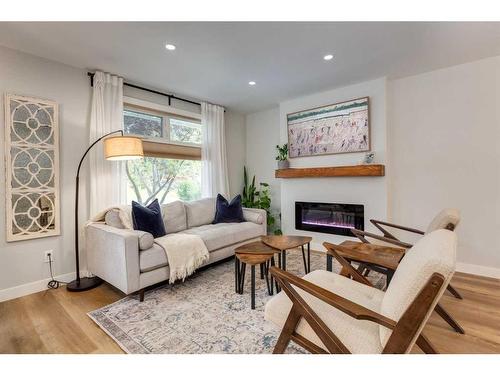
(201,315)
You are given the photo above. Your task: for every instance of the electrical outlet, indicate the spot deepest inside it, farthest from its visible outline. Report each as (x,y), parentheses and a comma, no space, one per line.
(46,258)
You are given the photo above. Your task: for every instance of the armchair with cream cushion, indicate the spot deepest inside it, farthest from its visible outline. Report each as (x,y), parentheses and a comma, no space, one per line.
(334,314)
(130,260)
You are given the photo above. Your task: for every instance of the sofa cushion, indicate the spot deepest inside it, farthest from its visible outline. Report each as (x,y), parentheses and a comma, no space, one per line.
(148,218)
(146,240)
(357,335)
(228,212)
(174,216)
(200,212)
(153,258)
(216,236)
(254,215)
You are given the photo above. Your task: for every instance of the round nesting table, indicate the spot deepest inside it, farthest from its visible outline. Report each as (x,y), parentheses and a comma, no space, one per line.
(252,254)
(284,243)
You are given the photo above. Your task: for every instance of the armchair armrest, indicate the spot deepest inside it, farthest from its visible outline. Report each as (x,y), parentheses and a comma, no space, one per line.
(348,307)
(362,236)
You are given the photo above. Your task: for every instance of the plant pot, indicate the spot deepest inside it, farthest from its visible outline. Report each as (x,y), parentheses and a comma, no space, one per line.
(283,164)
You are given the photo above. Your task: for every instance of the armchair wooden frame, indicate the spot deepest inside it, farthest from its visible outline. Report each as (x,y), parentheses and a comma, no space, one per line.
(349,271)
(393,240)
(403,334)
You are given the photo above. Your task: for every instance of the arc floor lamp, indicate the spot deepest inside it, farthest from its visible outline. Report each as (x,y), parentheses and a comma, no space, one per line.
(115,148)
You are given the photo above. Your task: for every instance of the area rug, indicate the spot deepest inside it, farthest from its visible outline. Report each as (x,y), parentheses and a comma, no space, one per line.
(201,315)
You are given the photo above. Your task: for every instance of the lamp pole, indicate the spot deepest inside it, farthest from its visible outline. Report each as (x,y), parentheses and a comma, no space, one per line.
(81,284)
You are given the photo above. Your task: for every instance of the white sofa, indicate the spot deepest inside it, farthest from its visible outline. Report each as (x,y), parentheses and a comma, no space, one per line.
(130,260)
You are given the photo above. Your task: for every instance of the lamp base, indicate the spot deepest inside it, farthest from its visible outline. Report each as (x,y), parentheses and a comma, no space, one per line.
(85,283)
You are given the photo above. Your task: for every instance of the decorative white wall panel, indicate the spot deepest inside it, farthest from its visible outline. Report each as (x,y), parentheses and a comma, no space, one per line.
(32,168)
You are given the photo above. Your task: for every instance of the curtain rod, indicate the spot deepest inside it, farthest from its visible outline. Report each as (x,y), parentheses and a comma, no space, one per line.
(169,96)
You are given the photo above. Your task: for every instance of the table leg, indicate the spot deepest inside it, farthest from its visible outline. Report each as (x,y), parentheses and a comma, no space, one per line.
(279,266)
(283,262)
(304,259)
(262,271)
(329,262)
(242,276)
(236,274)
(272,278)
(266,273)
(308,257)
(253,286)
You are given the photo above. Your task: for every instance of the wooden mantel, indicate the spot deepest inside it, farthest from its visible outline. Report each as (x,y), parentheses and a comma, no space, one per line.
(343,171)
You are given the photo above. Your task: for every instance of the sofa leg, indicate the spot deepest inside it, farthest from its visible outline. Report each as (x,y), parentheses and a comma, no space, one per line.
(141,295)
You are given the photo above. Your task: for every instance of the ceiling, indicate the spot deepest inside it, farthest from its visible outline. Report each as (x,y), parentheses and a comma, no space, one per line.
(214,61)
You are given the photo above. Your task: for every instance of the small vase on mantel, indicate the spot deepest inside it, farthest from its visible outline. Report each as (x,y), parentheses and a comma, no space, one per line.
(283,164)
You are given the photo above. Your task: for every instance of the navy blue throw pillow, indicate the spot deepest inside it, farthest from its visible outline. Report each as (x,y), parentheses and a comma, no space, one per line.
(148,219)
(228,212)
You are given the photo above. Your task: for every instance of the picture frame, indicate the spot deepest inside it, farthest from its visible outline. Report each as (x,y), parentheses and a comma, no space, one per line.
(338,128)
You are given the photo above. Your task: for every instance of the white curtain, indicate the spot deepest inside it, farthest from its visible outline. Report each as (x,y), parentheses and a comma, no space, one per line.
(107,187)
(214,177)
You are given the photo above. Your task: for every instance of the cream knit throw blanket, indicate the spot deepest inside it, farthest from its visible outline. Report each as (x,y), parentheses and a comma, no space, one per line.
(185,253)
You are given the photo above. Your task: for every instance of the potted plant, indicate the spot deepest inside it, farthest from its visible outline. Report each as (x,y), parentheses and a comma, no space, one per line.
(282,156)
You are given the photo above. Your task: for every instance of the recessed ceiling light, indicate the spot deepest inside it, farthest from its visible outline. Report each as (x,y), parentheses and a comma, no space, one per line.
(170,47)
(251,83)
(327,57)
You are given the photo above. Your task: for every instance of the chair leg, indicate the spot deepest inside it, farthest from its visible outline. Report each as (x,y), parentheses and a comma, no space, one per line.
(448,319)
(424,344)
(286,333)
(455,292)
(141,295)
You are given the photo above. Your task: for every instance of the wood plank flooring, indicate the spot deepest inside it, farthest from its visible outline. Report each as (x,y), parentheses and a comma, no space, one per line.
(55,321)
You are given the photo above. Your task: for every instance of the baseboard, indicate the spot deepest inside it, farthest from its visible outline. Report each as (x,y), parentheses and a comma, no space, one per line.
(476,269)
(33,287)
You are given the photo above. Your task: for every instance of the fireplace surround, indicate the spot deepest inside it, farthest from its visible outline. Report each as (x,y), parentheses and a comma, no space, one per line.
(332,218)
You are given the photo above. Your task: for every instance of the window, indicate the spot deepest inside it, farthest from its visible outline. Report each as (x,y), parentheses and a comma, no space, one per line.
(162,126)
(171,168)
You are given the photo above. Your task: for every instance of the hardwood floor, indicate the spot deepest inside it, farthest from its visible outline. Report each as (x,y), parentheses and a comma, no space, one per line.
(55,321)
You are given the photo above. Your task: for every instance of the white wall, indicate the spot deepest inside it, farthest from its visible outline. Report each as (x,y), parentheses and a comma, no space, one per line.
(262,136)
(22,262)
(445,152)
(369,191)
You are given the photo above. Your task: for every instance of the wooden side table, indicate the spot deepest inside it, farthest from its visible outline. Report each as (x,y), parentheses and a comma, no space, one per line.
(383,259)
(252,254)
(284,243)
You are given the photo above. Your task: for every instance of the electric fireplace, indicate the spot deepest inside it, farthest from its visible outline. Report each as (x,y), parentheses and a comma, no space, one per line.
(333,218)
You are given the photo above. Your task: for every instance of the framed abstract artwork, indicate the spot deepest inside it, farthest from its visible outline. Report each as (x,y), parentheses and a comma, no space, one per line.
(332,129)
(32,168)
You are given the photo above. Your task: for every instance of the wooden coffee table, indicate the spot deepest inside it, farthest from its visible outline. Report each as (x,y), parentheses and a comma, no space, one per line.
(284,243)
(383,259)
(253,253)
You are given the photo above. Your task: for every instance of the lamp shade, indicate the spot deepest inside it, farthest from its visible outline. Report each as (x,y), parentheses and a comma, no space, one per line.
(123,148)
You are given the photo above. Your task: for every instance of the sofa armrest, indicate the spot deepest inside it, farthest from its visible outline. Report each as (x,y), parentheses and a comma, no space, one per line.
(113,255)
(257,216)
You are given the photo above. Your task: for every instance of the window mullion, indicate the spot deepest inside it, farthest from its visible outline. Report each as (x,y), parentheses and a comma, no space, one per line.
(166,128)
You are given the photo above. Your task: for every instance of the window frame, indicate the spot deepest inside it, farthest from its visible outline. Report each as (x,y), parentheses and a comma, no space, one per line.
(166,113)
